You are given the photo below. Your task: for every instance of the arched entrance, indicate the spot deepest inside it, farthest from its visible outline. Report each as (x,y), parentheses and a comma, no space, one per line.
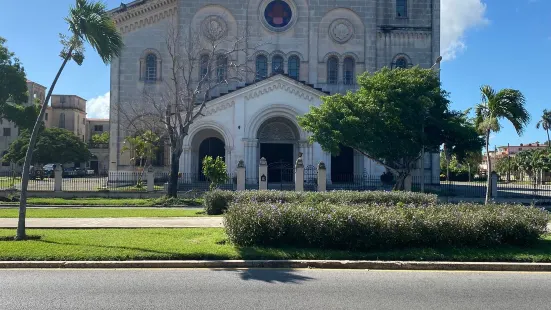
(213,147)
(278,138)
(342,165)
(206,142)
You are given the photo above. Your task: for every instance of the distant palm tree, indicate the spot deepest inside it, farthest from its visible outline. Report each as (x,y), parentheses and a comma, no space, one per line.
(545,123)
(88,22)
(505,104)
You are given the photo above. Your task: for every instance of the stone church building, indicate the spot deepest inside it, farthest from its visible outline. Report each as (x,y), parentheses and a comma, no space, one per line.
(312,48)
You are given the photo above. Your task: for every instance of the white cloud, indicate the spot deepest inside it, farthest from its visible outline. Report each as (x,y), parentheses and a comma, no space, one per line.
(458,16)
(98,107)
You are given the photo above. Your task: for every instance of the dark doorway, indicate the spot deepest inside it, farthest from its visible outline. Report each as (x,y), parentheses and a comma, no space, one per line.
(94,165)
(342,166)
(213,147)
(280,161)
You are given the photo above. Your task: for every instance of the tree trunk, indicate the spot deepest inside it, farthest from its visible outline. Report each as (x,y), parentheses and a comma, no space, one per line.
(21,232)
(489,169)
(400,181)
(548,140)
(173,181)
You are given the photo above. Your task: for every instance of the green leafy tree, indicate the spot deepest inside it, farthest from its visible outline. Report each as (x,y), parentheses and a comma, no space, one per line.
(389,119)
(144,147)
(545,124)
(54,145)
(88,22)
(506,104)
(13,90)
(100,138)
(215,171)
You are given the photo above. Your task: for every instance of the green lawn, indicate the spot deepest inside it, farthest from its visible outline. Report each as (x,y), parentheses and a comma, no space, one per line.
(211,243)
(100,212)
(150,202)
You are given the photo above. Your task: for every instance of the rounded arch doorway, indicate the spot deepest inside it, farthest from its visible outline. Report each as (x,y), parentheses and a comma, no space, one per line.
(213,147)
(278,138)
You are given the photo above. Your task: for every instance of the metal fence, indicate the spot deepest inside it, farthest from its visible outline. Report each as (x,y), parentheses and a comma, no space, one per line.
(12,180)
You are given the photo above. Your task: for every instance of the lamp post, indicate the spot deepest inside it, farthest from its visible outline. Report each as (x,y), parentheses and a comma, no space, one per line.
(438,60)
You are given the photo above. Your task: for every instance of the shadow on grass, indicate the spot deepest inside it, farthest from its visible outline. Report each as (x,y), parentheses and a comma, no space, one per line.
(12,238)
(269,275)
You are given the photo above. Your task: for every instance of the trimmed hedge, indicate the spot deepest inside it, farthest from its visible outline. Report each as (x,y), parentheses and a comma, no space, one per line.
(366,227)
(217,202)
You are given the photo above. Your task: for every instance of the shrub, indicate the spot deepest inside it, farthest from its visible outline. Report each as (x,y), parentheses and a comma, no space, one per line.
(215,171)
(224,198)
(366,227)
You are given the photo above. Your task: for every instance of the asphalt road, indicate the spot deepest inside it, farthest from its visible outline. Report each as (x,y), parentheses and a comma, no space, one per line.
(271,289)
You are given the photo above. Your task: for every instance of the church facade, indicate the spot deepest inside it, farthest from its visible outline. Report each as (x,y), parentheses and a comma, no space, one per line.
(310,49)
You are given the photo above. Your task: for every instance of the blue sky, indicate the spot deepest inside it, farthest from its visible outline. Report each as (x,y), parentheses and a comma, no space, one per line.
(503,43)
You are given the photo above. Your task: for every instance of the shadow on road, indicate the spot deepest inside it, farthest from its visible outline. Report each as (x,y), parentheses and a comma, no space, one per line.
(270,275)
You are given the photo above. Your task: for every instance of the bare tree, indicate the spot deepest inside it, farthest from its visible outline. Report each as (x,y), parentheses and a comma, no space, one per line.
(201,60)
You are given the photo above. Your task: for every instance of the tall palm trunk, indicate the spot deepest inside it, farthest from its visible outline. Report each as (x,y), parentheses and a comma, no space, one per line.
(21,232)
(548,140)
(489,168)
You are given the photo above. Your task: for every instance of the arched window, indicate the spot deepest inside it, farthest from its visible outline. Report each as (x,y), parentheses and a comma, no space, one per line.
(402,62)
(151,68)
(261,67)
(401,8)
(62,120)
(348,71)
(277,65)
(221,68)
(203,66)
(294,67)
(332,70)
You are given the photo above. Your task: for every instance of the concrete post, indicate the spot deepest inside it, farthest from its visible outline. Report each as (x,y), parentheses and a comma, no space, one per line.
(263,174)
(58,178)
(241,175)
(299,175)
(407,183)
(494,185)
(150,180)
(322,177)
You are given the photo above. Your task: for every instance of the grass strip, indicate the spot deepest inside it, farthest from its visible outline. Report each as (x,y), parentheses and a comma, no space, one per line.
(152,202)
(212,243)
(100,213)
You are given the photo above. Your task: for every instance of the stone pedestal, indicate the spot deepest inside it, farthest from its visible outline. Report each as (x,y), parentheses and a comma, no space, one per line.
(263,174)
(58,178)
(322,177)
(493,191)
(150,181)
(299,175)
(241,176)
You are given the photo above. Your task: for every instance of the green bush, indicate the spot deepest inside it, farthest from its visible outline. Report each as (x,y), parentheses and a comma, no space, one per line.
(366,227)
(224,198)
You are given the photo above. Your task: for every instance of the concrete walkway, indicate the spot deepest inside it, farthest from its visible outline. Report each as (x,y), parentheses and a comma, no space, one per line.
(127,222)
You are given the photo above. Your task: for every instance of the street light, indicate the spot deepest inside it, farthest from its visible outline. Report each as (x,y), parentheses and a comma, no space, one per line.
(438,60)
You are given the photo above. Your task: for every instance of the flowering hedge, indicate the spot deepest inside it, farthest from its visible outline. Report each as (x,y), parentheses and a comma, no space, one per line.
(365,227)
(216,202)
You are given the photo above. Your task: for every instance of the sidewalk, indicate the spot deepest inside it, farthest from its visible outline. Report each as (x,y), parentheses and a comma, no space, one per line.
(128,222)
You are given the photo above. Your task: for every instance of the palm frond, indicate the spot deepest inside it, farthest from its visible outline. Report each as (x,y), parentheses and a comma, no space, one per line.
(90,22)
(510,104)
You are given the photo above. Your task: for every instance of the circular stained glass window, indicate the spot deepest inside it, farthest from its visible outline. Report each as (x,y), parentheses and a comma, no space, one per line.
(278,14)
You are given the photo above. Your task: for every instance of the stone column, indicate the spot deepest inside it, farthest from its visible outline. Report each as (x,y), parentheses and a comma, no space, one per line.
(251,146)
(150,180)
(58,178)
(299,175)
(241,176)
(263,174)
(327,156)
(494,185)
(322,177)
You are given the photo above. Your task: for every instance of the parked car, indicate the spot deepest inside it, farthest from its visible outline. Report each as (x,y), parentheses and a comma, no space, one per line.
(36,173)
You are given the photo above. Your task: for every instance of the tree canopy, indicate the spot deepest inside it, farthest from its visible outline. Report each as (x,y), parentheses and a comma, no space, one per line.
(54,145)
(389,119)
(13,90)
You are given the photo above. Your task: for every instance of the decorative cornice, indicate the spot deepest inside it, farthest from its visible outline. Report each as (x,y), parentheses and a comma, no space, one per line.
(144,14)
(292,89)
(404,34)
(217,107)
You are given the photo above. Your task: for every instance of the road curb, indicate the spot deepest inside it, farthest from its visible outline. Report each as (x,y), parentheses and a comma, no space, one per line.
(287,264)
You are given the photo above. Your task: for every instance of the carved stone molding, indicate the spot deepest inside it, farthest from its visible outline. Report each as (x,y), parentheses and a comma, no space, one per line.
(279,85)
(210,110)
(214,27)
(276,131)
(150,12)
(341,30)
(405,35)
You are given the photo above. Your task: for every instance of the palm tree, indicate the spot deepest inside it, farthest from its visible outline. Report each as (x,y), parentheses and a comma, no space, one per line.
(506,104)
(545,123)
(88,22)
